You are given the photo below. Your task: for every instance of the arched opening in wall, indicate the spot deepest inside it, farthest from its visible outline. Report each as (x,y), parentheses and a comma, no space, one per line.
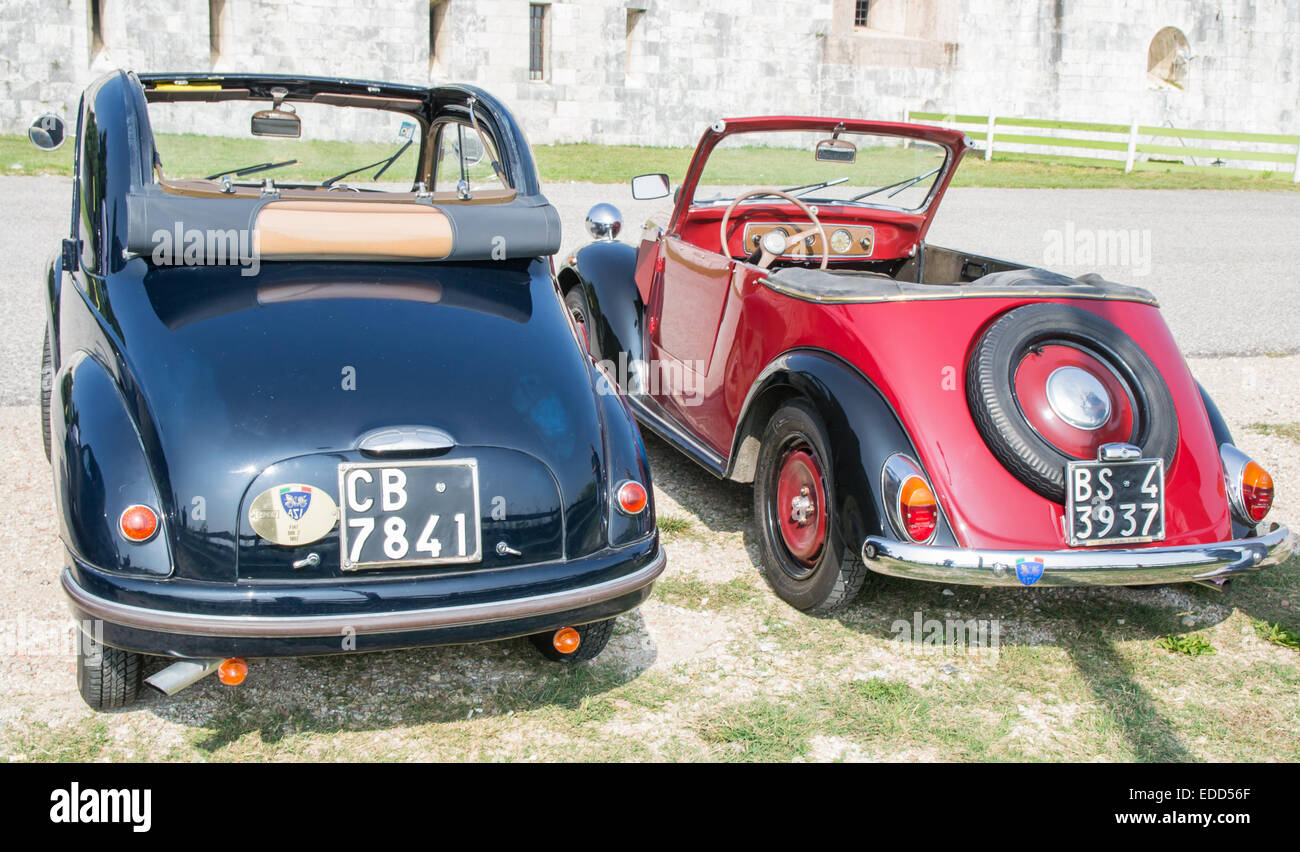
(1168,58)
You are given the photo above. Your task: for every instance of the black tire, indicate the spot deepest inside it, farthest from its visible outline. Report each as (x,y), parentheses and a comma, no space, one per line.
(576,301)
(595,637)
(838,573)
(991,397)
(107,678)
(47,389)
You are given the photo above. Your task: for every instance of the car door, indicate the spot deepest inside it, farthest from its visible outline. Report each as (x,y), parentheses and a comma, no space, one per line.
(694,315)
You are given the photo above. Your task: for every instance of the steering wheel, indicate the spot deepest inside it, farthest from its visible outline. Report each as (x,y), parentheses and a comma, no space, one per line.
(767,255)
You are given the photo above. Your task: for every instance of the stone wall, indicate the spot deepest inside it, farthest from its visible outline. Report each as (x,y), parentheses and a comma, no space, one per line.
(658,71)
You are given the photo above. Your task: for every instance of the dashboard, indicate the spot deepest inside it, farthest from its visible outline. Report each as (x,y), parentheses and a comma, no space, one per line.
(847,242)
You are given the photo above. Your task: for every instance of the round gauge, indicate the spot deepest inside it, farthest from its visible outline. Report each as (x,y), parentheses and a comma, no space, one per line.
(774,241)
(841,241)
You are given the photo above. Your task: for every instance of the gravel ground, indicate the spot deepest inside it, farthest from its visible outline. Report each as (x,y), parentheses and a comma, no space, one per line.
(679,662)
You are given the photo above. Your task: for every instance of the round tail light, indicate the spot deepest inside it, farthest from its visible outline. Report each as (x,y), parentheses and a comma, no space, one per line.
(918,509)
(632,498)
(1250,488)
(138,523)
(1256,491)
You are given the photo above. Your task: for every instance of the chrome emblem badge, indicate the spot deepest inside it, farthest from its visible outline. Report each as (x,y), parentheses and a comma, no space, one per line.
(293,514)
(1029,570)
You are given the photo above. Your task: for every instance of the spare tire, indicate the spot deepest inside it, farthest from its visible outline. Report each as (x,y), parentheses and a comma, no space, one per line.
(1017,413)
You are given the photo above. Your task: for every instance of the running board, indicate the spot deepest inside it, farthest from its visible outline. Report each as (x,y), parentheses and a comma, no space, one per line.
(652,415)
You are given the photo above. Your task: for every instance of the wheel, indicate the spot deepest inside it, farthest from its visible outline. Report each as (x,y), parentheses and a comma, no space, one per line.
(47,388)
(593,639)
(804,558)
(107,678)
(576,301)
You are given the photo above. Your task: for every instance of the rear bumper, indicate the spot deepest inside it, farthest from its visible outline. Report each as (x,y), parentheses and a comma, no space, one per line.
(1128,567)
(373,622)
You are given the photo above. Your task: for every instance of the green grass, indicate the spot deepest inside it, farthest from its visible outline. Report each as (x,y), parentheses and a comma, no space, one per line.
(1277,634)
(192,155)
(675,526)
(1287,431)
(1190,645)
(693,593)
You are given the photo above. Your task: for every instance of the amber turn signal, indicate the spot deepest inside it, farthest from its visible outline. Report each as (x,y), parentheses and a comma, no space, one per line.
(919,509)
(232,672)
(566,640)
(632,497)
(138,523)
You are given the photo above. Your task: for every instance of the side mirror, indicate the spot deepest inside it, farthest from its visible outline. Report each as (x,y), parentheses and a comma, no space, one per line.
(646,187)
(277,122)
(835,151)
(48,132)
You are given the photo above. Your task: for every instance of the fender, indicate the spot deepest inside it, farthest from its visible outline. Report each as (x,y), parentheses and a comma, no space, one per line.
(625,458)
(100,469)
(606,272)
(1223,435)
(863,429)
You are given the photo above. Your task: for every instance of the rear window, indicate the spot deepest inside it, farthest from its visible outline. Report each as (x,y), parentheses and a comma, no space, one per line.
(203,140)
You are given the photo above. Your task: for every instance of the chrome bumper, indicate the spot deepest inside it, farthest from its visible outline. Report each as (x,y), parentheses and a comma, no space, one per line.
(285,627)
(1126,567)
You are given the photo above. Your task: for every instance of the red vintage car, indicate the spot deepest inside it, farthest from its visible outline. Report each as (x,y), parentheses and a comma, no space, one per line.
(913,410)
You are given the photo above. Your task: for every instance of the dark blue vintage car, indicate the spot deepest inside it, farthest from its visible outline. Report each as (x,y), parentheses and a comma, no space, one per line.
(295,413)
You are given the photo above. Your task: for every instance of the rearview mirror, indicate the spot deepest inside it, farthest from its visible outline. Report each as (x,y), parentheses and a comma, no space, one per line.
(646,187)
(835,151)
(47,132)
(277,122)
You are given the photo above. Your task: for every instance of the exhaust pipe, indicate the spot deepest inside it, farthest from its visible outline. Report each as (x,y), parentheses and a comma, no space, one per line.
(1218,585)
(179,675)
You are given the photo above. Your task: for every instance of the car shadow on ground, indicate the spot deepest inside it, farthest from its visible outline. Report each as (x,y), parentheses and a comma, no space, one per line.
(1088,625)
(398,689)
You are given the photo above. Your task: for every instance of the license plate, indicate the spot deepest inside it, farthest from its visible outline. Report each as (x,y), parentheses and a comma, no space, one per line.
(397,514)
(1114,502)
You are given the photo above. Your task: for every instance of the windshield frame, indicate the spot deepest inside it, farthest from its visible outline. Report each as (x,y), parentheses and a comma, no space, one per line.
(954,142)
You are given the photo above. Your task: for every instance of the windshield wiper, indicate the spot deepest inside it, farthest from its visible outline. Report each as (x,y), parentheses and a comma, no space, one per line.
(807,187)
(244,171)
(902,185)
(386,162)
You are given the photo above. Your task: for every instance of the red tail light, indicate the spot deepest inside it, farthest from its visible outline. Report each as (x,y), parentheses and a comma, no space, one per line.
(1256,491)
(632,497)
(138,523)
(919,509)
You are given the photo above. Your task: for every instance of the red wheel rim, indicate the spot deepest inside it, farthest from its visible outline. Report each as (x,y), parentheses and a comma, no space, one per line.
(800,510)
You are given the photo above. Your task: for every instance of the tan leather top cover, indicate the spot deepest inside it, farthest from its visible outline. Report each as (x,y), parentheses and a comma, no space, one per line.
(350,230)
